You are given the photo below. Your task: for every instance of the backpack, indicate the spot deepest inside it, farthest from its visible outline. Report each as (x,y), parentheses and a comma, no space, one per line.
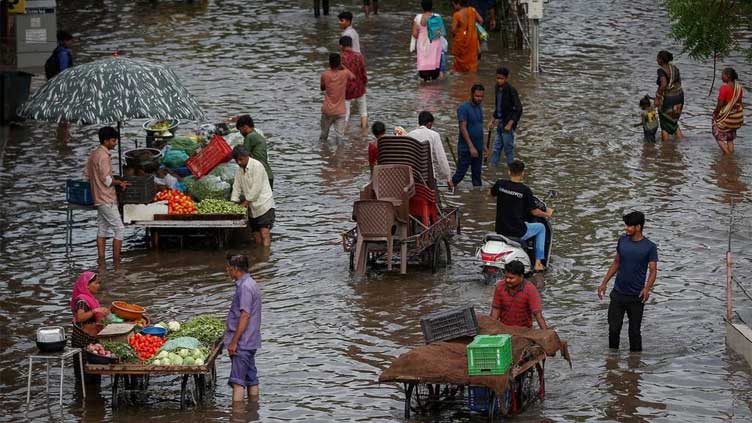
(435,27)
(52,66)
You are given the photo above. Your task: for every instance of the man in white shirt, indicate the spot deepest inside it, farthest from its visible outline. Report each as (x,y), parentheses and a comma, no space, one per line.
(251,182)
(345,22)
(424,132)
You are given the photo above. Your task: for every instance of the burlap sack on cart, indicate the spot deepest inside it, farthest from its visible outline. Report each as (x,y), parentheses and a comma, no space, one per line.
(446,362)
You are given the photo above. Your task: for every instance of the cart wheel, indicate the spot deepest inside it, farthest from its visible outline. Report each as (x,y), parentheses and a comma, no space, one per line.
(442,255)
(498,408)
(115,382)
(531,386)
(409,387)
(420,399)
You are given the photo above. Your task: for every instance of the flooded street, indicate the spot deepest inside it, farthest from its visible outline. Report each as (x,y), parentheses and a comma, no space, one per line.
(327,334)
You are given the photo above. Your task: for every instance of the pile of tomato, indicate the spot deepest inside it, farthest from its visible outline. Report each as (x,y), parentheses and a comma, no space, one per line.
(177,202)
(146,345)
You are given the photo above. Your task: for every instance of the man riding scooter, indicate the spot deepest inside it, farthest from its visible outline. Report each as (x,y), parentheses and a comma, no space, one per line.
(515,205)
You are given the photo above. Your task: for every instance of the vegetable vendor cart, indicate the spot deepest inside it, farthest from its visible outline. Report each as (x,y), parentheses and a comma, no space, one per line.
(134,377)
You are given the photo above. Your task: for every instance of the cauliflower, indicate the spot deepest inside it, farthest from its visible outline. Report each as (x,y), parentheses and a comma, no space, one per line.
(174,325)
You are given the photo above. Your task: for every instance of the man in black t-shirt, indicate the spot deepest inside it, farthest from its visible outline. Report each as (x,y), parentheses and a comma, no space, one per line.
(514,206)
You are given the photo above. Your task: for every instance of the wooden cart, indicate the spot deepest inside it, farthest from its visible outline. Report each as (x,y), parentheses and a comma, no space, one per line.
(134,377)
(216,226)
(429,246)
(526,386)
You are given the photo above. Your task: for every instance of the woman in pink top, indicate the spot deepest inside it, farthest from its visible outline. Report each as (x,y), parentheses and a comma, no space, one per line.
(428,51)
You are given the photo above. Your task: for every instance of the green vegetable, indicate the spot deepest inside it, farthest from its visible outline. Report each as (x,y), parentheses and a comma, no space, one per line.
(199,362)
(188,361)
(206,328)
(123,351)
(186,342)
(212,206)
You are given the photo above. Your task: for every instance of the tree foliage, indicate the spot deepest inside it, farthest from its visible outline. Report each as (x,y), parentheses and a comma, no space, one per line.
(710,28)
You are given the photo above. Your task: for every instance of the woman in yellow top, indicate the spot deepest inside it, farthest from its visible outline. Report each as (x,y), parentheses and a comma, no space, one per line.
(465,45)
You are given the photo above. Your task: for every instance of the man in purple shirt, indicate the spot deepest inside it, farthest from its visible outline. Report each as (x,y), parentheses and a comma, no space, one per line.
(243,333)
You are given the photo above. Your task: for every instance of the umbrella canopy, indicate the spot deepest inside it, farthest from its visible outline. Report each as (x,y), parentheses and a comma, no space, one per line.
(112,90)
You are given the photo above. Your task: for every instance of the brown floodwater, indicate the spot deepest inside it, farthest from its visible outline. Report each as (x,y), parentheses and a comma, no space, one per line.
(327,334)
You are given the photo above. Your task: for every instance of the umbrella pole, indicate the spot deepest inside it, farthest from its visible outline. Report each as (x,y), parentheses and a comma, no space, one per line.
(120,151)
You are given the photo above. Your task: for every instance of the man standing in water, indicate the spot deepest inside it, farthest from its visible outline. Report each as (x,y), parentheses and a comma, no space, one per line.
(334,85)
(425,132)
(98,171)
(251,182)
(345,22)
(243,334)
(635,254)
(356,88)
(255,143)
(516,301)
(470,143)
(506,116)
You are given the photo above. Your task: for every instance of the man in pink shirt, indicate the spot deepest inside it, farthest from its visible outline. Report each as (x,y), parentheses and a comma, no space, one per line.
(334,84)
(99,173)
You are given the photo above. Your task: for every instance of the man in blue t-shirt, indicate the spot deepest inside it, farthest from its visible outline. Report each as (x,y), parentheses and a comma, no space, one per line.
(635,255)
(470,142)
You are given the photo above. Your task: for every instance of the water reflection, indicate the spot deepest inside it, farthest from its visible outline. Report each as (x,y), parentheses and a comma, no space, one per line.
(245,412)
(624,385)
(725,170)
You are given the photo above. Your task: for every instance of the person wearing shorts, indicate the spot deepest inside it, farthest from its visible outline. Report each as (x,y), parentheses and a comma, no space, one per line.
(242,337)
(98,171)
(252,183)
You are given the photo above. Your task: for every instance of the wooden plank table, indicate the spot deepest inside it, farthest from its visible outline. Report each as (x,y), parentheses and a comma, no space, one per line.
(220,224)
(138,374)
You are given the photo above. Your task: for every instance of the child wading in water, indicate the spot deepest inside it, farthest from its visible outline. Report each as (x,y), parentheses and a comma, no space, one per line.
(649,119)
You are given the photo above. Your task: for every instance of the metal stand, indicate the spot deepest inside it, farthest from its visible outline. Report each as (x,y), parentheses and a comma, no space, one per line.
(61,356)
(69,222)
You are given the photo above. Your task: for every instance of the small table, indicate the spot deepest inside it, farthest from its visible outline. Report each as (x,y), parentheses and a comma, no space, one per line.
(57,356)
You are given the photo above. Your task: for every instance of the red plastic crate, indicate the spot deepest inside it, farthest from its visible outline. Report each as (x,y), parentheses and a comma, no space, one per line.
(214,154)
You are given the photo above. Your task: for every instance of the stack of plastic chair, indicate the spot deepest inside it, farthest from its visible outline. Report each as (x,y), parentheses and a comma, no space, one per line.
(375,220)
(417,155)
(394,183)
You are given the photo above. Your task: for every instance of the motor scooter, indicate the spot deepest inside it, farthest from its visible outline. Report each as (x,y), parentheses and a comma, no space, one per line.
(498,250)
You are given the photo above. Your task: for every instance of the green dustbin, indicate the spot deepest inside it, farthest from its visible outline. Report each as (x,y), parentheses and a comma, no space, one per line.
(14,90)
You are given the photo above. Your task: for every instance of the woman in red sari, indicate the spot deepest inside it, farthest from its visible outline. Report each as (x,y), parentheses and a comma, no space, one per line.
(465,45)
(728,115)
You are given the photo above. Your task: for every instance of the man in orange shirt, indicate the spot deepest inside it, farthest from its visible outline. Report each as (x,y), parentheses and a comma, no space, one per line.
(99,173)
(334,84)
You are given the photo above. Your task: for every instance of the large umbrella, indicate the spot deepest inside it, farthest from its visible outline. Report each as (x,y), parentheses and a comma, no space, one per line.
(112,90)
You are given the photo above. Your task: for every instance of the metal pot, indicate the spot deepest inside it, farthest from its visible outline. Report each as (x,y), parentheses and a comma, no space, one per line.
(51,339)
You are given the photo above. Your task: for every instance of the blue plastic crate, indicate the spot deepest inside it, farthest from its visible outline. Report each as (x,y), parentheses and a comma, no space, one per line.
(478,398)
(78,192)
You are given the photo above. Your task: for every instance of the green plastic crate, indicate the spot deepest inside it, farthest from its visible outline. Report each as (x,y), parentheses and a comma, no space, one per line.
(489,355)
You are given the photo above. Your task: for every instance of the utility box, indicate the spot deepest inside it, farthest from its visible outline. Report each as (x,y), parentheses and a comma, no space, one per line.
(14,91)
(36,33)
(535,9)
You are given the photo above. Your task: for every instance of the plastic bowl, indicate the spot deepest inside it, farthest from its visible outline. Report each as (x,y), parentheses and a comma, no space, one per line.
(154,330)
(174,123)
(127,311)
